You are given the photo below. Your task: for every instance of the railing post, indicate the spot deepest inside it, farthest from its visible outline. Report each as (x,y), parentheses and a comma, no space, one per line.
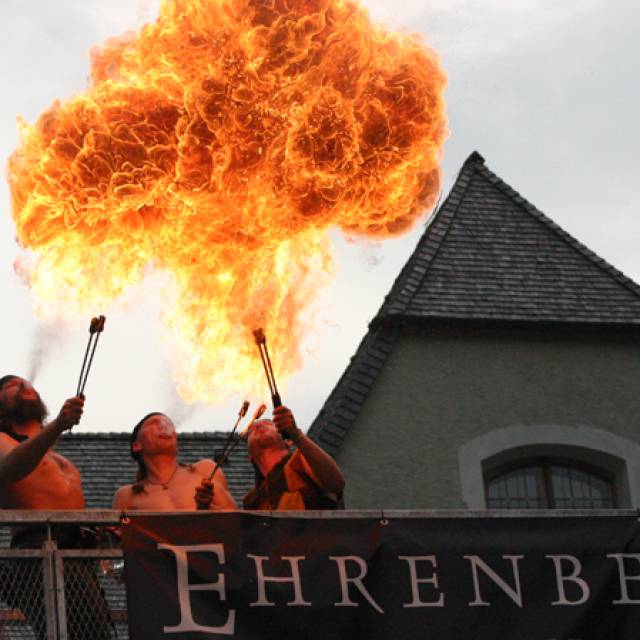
(60,596)
(49,549)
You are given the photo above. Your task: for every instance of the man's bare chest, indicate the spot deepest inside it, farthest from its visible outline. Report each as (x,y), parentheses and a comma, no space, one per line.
(53,466)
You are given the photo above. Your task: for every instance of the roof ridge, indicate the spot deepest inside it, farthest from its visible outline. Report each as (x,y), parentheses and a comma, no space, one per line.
(564,235)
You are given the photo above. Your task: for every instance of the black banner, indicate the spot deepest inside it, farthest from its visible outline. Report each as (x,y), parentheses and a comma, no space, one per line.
(253,577)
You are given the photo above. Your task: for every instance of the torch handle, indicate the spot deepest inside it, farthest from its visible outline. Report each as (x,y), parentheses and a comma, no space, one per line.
(277,402)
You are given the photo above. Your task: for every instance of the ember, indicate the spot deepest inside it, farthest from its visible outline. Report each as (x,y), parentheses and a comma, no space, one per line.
(219,145)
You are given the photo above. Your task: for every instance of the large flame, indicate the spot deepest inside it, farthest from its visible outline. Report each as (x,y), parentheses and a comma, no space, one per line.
(219,145)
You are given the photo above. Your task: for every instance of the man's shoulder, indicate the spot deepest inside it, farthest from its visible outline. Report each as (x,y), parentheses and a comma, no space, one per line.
(7,442)
(204,466)
(124,491)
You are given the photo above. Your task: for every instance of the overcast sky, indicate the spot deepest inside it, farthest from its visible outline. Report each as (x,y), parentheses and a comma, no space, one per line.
(547,92)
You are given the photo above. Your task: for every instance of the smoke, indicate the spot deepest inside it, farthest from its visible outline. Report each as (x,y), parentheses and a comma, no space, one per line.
(175,407)
(372,255)
(46,339)
(145,11)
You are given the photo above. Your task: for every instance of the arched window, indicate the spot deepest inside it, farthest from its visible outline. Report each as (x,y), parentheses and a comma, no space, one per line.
(549,483)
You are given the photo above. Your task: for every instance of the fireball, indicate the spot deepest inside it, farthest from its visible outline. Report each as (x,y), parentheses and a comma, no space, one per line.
(219,146)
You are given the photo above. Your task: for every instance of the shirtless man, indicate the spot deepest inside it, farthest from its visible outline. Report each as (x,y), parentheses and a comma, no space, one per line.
(163,484)
(33,476)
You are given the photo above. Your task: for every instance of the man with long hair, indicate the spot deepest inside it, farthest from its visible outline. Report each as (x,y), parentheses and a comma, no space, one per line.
(307,478)
(33,476)
(164,484)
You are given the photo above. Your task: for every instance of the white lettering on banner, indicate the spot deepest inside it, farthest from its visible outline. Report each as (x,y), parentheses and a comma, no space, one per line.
(561,579)
(298,600)
(357,581)
(416,582)
(624,578)
(478,563)
(187,623)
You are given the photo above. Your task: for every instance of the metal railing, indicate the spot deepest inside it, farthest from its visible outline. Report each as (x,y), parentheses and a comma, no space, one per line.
(51,588)
(56,582)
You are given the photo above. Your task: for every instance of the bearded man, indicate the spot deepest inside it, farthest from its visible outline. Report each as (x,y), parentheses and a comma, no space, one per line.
(164,484)
(308,478)
(34,477)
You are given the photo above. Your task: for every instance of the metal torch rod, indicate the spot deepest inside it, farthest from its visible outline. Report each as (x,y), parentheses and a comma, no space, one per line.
(225,451)
(258,413)
(261,341)
(96,327)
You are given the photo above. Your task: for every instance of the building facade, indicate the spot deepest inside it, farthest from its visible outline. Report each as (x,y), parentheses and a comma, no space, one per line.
(502,370)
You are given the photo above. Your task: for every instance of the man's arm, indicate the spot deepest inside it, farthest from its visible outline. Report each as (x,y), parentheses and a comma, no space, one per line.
(212,495)
(322,466)
(223,499)
(17,461)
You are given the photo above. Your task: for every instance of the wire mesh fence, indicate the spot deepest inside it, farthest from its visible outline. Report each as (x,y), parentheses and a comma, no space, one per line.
(57,583)
(22,603)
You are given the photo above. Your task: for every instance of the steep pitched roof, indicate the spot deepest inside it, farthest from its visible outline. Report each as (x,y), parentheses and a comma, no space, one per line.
(105,465)
(487,255)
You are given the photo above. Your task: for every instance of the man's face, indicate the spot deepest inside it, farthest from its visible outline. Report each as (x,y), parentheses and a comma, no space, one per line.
(156,436)
(263,435)
(20,402)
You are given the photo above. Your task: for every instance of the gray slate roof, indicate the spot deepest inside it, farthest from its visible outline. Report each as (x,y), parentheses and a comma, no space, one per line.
(105,465)
(487,256)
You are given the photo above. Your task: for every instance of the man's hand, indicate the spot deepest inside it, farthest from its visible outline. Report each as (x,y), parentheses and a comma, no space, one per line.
(204,495)
(285,422)
(70,413)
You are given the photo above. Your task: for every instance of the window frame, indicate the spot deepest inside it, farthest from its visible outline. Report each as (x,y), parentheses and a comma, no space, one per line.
(546,463)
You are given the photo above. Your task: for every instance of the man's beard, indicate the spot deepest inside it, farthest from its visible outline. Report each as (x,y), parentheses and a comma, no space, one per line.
(24,411)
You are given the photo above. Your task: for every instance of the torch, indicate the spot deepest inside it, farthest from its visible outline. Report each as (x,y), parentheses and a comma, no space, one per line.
(261,341)
(227,452)
(229,446)
(226,449)
(96,327)
(258,414)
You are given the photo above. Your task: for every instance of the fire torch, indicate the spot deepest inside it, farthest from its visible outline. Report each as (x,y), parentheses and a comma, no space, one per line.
(261,342)
(96,327)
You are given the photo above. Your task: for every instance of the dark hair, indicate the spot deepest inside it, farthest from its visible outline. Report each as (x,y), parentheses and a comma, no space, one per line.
(142,470)
(6,379)
(5,427)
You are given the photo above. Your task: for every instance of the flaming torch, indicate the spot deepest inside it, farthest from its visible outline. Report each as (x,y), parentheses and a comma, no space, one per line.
(219,146)
(226,449)
(96,327)
(261,342)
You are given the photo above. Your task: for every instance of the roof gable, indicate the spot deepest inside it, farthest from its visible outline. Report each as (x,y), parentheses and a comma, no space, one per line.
(488,254)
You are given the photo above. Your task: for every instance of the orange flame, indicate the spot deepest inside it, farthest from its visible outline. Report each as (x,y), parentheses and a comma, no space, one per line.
(219,145)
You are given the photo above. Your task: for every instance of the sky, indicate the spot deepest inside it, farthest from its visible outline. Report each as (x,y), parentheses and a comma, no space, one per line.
(547,92)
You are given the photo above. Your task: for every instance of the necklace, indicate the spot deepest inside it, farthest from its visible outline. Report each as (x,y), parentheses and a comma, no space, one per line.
(164,485)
